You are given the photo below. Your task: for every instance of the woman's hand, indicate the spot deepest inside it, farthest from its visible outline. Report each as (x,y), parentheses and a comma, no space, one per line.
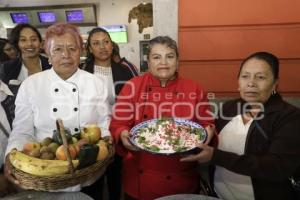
(125,140)
(204,156)
(5,186)
(210,129)
(108,139)
(8,171)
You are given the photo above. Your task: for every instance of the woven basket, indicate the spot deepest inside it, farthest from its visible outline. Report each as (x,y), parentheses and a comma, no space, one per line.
(47,183)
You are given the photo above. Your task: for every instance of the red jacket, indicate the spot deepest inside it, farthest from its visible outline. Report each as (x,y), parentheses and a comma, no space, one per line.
(147,176)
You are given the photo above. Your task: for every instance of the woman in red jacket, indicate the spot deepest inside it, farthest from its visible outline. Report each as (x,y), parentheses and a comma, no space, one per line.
(158,93)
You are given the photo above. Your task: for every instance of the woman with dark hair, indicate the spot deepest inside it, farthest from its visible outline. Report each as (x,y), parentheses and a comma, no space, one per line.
(99,62)
(28,42)
(7,51)
(259,137)
(161,92)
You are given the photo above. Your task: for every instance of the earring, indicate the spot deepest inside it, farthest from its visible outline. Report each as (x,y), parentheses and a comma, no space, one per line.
(273,92)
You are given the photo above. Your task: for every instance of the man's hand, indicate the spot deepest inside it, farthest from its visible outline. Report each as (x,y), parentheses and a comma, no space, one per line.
(125,140)
(204,156)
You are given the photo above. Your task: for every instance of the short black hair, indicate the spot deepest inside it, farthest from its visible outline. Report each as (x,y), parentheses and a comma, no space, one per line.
(269,58)
(166,40)
(15,34)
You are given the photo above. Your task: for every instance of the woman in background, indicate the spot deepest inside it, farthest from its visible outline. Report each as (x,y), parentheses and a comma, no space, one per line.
(100,62)
(28,41)
(8,49)
(258,137)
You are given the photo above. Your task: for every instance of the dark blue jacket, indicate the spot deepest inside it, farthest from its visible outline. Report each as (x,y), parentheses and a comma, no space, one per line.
(11,69)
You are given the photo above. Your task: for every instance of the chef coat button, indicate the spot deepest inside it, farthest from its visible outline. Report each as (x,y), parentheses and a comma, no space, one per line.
(74,89)
(75,109)
(168,177)
(140,171)
(54,109)
(145,116)
(56,90)
(76,129)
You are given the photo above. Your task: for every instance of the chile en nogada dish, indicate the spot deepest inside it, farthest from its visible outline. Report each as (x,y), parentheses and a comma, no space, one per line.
(167,135)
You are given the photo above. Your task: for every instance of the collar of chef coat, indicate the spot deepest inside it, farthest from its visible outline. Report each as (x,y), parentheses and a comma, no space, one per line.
(73,78)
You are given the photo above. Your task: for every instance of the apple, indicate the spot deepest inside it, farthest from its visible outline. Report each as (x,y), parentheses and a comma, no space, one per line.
(31,146)
(91,132)
(60,152)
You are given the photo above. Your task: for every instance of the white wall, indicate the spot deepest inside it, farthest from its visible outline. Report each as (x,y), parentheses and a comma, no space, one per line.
(165,23)
(109,12)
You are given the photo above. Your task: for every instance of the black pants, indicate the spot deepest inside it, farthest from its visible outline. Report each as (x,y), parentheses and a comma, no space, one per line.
(114,182)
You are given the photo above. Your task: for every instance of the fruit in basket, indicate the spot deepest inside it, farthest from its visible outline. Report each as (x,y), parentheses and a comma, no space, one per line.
(103,150)
(80,143)
(45,149)
(56,137)
(31,148)
(34,153)
(60,152)
(53,147)
(46,141)
(91,132)
(87,155)
(74,140)
(47,155)
(38,166)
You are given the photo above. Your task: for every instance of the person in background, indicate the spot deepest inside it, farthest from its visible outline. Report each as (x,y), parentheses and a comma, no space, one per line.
(7,50)
(99,62)
(27,40)
(161,92)
(258,137)
(117,58)
(62,92)
(5,186)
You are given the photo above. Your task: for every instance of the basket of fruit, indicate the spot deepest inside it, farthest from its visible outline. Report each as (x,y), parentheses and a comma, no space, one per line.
(63,160)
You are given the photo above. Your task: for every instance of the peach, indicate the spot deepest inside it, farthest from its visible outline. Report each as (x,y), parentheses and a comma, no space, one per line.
(60,152)
(30,146)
